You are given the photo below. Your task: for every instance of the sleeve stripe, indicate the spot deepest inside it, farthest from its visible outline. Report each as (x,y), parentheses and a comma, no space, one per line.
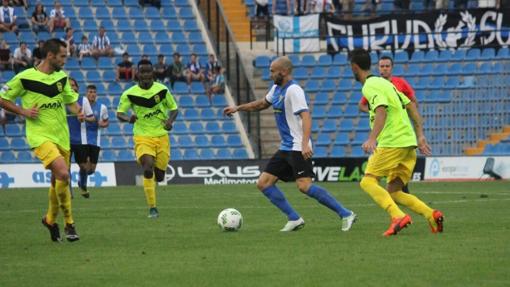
(300,111)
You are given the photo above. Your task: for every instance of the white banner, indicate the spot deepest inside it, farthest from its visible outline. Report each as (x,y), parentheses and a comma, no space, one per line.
(301,34)
(34,175)
(465,168)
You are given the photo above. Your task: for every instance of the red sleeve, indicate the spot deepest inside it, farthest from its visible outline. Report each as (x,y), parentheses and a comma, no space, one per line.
(404,87)
(363,101)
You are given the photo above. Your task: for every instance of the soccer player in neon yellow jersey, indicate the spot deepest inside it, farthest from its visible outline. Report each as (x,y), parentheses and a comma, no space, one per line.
(44,92)
(154,111)
(392,143)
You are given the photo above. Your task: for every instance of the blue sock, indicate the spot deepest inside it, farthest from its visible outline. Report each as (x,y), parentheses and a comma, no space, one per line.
(83,179)
(327,200)
(278,199)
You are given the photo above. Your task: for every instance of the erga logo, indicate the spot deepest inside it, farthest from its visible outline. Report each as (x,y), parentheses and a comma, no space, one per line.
(157,99)
(59,87)
(55,105)
(149,115)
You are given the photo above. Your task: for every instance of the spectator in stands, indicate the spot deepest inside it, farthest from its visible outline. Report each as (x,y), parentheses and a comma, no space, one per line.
(37,54)
(347,7)
(69,39)
(101,44)
(22,58)
(23,3)
(262,9)
(7,18)
(218,85)
(84,48)
(402,4)
(301,7)
(194,71)
(39,19)
(282,7)
(58,20)
(321,6)
(177,70)
(5,56)
(210,68)
(441,4)
(461,4)
(155,3)
(161,69)
(371,6)
(125,70)
(481,3)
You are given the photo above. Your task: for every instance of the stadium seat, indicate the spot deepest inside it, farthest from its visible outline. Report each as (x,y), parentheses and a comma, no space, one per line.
(7,156)
(240,153)
(107,155)
(191,153)
(126,155)
(223,153)
(234,141)
(207,153)
(218,140)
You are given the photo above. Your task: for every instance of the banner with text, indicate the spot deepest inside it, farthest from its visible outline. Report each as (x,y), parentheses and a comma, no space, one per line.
(247,171)
(466,168)
(427,30)
(34,175)
(296,34)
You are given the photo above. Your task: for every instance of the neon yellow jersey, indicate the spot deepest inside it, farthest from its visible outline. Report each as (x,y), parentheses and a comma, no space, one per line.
(150,107)
(50,93)
(398,130)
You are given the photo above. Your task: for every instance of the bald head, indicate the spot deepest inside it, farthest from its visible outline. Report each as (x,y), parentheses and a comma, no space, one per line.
(281,70)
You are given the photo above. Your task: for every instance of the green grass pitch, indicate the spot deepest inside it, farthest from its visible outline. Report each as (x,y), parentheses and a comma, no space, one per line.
(120,246)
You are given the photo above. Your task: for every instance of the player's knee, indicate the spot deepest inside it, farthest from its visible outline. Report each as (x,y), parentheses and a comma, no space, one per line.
(304,186)
(62,175)
(262,184)
(148,173)
(365,182)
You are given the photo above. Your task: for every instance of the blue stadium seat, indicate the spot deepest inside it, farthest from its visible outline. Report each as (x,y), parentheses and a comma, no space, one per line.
(151,12)
(321,99)
(342,138)
(180,128)
(262,62)
(328,85)
(191,153)
(25,156)
(333,72)
(308,61)
(473,54)
(240,153)
(19,143)
(212,127)
(126,155)
(7,157)
(118,142)
(196,127)
(223,153)
(229,127)
(13,130)
(320,151)
(175,154)
(234,140)
(329,125)
(346,125)
(108,155)
(319,73)
(113,129)
(338,151)
(4,144)
(207,153)
(207,114)
(323,139)
(202,141)
(218,140)
(325,60)
(186,141)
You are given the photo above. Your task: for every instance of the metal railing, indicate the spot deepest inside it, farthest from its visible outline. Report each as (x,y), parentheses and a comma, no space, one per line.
(230,57)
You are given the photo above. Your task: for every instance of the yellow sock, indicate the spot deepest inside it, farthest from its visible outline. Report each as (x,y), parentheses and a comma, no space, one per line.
(412,202)
(381,196)
(52,213)
(149,187)
(64,198)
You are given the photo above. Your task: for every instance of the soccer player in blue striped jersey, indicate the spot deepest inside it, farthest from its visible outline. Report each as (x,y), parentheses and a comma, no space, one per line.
(293,161)
(86,136)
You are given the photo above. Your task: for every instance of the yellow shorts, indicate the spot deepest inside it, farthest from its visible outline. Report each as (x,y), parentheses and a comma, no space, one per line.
(157,147)
(49,151)
(392,163)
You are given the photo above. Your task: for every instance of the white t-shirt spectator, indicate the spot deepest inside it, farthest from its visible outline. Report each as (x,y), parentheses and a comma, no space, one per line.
(18,54)
(55,13)
(261,2)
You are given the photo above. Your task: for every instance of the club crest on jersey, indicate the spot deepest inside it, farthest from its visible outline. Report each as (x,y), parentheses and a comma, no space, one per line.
(59,87)
(157,99)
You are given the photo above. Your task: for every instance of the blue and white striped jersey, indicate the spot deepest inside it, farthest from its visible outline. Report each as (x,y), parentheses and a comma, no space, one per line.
(288,103)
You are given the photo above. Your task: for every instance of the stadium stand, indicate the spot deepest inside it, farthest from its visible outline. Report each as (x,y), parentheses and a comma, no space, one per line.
(135,29)
(463,98)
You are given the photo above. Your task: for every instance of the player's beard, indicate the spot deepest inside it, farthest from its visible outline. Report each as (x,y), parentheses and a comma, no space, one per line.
(356,76)
(278,79)
(146,83)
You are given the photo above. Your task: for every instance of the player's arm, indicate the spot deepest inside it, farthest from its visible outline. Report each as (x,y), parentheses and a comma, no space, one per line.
(124,106)
(87,111)
(409,92)
(379,121)
(257,105)
(363,105)
(31,113)
(172,115)
(103,117)
(417,120)
(306,120)
(123,117)
(75,109)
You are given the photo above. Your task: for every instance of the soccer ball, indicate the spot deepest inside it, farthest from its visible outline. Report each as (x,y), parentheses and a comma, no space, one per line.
(230,219)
